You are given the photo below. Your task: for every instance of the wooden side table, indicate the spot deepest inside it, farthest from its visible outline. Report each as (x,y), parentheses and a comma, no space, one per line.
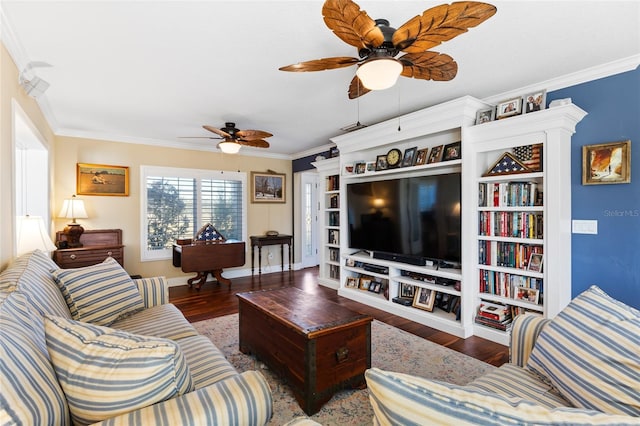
(98,244)
(264,240)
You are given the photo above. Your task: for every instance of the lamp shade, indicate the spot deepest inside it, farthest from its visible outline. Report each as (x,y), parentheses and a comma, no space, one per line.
(73,208)
(229,147)
(379,73)
(32,235)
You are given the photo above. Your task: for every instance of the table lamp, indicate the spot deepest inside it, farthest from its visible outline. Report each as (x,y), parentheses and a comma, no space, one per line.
(32,235)
(73,208)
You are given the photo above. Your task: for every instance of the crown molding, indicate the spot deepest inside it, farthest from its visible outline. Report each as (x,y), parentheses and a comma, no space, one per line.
(589,74)
(313,151)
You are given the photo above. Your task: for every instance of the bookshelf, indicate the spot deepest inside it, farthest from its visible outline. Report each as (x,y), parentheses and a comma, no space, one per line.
(329,221)
(520,217)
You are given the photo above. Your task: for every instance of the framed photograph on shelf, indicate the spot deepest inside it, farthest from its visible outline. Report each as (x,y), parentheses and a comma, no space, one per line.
(424,299)
(527,294)
(509,108)
(452,151)
(535,101)
(409,156)
(421,156)
(375,286)
(407,290)
(101,179)
(352,282)
(436,154)
(535,262)
(360,168)
(606,163)
(268,187)
(381,162)
(365,282)
(485,115)
(370,167)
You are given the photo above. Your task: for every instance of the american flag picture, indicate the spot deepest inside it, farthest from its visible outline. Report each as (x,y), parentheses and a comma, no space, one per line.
(530,156)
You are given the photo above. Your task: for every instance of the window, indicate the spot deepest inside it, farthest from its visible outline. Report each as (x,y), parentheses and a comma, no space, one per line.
(177,202)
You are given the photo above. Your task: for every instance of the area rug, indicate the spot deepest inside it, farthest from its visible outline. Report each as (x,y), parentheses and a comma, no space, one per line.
(391,349)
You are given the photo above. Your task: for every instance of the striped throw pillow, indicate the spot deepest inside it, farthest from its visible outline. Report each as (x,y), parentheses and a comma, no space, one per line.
(105,372)
(400,400)
(99,294)
(591,353)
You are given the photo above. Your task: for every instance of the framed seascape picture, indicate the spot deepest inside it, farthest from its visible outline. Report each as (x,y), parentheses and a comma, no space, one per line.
(535,101)
(101,179)
(606,163)
(267,187)
(509,108)
(424,299)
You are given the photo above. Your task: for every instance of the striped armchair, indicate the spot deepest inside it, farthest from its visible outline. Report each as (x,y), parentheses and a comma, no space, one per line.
(67,357)
(581,368)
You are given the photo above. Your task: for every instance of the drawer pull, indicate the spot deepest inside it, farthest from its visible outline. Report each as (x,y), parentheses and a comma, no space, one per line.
(72,257)
(109,253)
(342,354)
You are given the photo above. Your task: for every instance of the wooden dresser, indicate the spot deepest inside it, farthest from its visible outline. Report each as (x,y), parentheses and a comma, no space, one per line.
(98,244)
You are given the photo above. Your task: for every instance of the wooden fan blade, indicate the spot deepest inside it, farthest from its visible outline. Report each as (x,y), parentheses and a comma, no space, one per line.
(321,64)
(439,24)
(197,137)
(217,131)
(351,25)
(356,88)
(252,135)
(429,66)
(256,143)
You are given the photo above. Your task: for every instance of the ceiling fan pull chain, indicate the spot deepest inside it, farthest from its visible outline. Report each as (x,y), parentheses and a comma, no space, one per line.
(398,88)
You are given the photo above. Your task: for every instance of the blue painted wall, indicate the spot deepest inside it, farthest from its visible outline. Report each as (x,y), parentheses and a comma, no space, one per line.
(610,259)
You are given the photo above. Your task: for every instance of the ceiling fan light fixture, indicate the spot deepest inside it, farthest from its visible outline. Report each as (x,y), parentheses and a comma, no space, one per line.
(229,147)
(379,73)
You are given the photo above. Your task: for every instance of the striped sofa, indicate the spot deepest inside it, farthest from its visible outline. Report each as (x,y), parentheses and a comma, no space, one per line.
(581,368)
(64,362)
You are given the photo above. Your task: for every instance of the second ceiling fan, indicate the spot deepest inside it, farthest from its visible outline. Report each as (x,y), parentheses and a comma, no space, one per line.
(378,43)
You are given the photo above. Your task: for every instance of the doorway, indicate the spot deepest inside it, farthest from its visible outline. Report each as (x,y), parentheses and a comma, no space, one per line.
(309,219)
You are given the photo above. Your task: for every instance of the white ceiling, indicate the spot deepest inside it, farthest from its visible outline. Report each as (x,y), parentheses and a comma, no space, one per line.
(151,72)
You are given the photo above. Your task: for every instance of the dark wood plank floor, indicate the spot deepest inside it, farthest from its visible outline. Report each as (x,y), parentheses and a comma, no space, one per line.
(214,300)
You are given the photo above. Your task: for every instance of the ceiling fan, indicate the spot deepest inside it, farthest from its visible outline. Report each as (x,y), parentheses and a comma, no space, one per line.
(233,138)
(378,43)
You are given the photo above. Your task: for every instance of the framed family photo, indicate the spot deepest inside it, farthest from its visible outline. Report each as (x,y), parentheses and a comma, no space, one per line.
(436,154)
(509,108)
(535,101)
(606,163)
(424,299)
(485,115)
(452,152)
(535,262)
(102,179)
(421,156)
(527,294)
(267,187)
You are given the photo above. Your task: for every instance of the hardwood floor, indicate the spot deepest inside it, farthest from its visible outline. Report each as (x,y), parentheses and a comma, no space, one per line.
(214,300)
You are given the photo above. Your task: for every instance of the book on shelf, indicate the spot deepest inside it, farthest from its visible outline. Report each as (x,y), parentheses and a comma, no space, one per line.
(511,224)
(507,194)
(507,254)
(333,183)
(334,201)
(494,311)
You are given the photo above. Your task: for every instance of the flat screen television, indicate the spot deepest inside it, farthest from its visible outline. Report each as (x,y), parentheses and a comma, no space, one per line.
(417,217)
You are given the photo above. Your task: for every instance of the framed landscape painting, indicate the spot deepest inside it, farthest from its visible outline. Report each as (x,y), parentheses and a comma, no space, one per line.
(606,163)
(267,187)
(102,179)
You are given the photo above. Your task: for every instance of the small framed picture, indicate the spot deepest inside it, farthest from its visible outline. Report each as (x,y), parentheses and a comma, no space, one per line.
(348,169)
(365,282)
(535,262)
(606,163)
(370,167)
(421,156)
(535,101)
(436,154)
(527,294)
(509,108)
(381,162)
(452,151)
(407,290)
(485,115)
(360,168)
(409,156)
(349,262)
(375,286)
(424,299)
(352,282)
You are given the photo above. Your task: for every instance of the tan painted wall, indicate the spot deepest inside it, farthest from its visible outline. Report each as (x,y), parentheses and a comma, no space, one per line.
(107,212)
(10,89)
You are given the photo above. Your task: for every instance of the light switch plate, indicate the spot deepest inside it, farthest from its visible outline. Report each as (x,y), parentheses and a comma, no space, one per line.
(584,227)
